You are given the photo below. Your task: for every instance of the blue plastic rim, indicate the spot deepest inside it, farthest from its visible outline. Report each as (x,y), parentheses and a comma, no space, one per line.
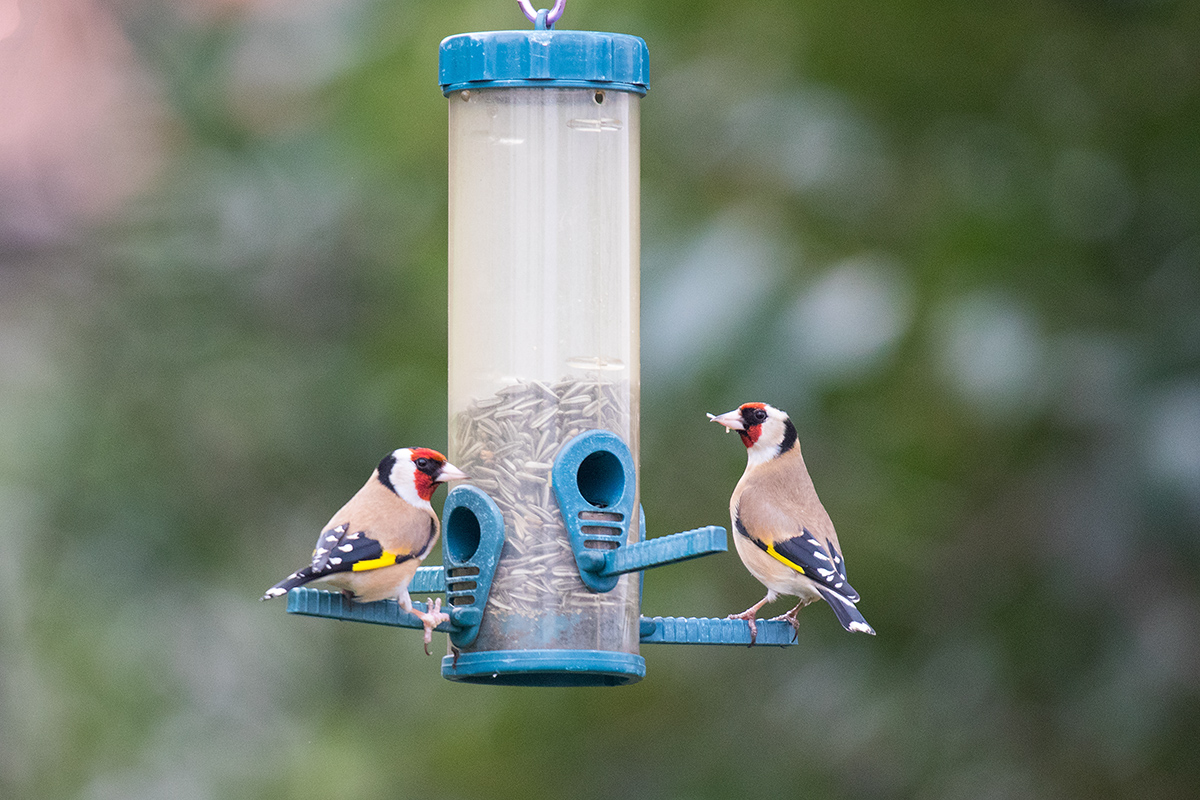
(563,668)
(544,58)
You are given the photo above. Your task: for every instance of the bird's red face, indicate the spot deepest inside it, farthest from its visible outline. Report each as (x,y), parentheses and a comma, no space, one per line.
(753,416)
(415,473)
(428,471)
(747,419)
(766,431)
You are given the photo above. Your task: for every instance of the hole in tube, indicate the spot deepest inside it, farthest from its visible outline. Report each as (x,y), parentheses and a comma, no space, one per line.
(464,600)
(601,479)
(601,516)
(459,572)
(461,586)
(462,533)
(598,96)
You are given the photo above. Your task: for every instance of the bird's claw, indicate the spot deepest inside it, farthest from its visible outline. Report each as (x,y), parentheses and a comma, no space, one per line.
(790,618)
(749,617)
(431,619)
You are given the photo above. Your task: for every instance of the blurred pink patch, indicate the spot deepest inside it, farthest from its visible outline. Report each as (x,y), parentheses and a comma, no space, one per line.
(10,18)
(79,119)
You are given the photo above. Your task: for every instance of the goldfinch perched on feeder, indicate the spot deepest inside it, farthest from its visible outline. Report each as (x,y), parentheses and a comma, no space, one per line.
(782,532)
(371,548)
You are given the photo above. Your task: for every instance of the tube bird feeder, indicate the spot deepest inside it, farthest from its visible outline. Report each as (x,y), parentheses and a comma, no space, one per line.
(543,344)
(544,549)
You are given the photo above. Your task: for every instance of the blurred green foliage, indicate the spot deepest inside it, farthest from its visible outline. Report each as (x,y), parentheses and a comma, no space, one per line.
(959,243)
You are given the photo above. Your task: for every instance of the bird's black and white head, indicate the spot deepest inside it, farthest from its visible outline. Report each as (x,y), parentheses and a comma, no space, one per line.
(414,473)
(766,431)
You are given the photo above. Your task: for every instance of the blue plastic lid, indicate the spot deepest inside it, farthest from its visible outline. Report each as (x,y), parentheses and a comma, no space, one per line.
(544,58)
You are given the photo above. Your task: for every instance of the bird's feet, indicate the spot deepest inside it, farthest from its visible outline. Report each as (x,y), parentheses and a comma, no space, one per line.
(748,615)
(431,619)
(790,618)
(751,612)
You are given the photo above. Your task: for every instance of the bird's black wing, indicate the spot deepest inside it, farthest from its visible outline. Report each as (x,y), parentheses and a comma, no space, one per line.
(820,561)
(338,550)
(297,578)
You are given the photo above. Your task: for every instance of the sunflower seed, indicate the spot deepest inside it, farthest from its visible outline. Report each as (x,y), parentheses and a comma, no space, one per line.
(508,443)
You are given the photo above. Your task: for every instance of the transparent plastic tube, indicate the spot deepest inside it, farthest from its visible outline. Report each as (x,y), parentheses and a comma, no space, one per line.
(543,339)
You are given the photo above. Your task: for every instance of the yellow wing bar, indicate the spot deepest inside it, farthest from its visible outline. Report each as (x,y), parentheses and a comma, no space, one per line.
(386,560)
(778,556)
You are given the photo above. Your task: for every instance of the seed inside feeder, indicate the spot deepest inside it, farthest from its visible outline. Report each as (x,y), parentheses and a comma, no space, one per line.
(508,443)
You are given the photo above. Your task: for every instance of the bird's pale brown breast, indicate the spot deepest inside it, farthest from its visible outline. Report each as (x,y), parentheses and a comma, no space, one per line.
(776,500)
(398,526)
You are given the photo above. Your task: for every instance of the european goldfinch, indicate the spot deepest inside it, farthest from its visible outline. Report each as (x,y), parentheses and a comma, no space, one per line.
(371,548)
(782,532)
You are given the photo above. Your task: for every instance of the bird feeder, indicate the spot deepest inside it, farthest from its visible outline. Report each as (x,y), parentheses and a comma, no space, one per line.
(544,548)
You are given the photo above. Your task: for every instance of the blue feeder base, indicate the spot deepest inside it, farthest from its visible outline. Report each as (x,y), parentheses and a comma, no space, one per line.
(545,668)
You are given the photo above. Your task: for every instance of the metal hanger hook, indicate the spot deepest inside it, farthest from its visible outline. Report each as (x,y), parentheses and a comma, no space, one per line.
(551,17)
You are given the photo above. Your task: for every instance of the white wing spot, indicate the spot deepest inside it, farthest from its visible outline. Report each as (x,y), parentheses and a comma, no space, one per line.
(335,561)
(345,548)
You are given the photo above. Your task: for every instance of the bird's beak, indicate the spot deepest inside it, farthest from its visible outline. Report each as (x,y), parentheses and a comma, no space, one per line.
(449,472)
(732,420)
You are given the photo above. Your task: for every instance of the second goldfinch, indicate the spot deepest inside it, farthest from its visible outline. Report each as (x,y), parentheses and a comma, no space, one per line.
(782,532)
(371,548)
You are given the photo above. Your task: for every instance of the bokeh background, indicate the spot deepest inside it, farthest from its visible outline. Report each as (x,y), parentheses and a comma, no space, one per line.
(959,242)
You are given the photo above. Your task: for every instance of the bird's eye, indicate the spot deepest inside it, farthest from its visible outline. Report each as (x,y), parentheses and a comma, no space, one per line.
(422,463)
(759,415)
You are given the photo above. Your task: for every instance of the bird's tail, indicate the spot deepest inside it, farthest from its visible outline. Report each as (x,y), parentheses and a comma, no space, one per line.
(297,578)
(846,613)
